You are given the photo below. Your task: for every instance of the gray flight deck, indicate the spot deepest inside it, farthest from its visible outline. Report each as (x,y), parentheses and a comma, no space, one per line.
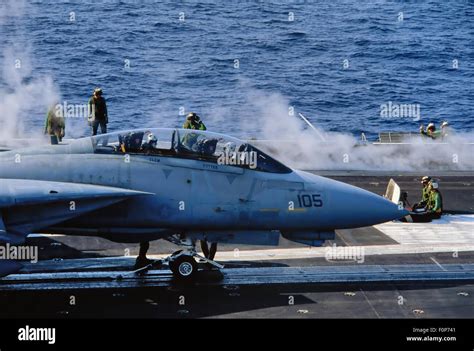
(98,275)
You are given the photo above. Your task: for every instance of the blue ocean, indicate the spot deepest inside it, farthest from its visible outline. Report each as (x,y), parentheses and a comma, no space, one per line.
(337,62)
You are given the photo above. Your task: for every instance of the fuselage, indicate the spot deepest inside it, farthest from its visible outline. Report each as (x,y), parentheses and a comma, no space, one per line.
(195,192)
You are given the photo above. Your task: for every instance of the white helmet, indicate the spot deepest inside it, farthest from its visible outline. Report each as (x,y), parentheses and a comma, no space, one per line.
(151,138)
(430,125)
(444,124)
(230,146)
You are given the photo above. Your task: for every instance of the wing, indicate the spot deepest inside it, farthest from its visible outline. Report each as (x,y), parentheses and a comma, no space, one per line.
(30,205)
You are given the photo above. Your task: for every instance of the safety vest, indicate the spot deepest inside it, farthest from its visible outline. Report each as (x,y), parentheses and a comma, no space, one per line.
(425,194)
(435,203)
(190,125)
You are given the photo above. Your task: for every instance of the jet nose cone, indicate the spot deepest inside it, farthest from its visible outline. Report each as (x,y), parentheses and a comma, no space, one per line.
(380,209)
(353,207)
(365,208)
(347,206)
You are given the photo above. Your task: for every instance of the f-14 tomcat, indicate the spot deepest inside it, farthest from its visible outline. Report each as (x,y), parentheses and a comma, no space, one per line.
(178,185)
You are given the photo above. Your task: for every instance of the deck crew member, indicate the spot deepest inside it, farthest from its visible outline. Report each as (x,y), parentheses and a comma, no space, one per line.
(430,131)
(98,112)
(445,129)
(434,208)
(193,121)
(425,193)
(435,203)
(54,124)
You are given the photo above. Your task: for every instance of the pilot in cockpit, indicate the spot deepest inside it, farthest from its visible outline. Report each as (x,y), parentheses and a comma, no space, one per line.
(150,143)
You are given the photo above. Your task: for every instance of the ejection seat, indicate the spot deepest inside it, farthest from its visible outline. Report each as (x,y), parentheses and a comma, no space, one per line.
(131,142)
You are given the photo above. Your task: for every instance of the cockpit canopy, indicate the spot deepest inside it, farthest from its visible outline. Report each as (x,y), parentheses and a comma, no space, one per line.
(188,143)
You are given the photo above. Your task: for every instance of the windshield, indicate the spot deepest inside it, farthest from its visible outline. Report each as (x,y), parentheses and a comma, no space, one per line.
(226,150)
(190,144)
(206,144)
(135,141)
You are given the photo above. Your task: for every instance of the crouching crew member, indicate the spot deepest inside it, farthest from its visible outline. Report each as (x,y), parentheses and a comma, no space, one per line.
(434,208)
(425,193)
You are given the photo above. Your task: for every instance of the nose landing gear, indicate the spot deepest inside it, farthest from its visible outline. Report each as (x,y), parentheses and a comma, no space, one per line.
(183,264)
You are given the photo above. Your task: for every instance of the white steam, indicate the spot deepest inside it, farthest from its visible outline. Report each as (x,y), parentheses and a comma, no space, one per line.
(11,8)
(291,141)
(24,95)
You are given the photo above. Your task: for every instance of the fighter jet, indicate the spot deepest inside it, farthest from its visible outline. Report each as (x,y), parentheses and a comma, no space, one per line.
(178,185)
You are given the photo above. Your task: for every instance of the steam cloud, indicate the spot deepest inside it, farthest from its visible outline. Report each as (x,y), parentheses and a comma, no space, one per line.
(23,95)
(293,143)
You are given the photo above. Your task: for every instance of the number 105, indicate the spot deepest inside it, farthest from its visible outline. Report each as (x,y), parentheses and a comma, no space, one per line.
(307,200)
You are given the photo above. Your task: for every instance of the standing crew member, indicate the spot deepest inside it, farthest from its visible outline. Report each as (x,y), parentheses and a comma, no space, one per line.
(98,112)
(54,125)
(193,122)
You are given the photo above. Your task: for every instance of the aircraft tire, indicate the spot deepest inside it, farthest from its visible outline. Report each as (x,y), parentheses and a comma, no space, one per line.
(184,267)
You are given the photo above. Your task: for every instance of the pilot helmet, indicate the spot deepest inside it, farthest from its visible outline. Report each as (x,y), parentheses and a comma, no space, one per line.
(151,138)
(229,146)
